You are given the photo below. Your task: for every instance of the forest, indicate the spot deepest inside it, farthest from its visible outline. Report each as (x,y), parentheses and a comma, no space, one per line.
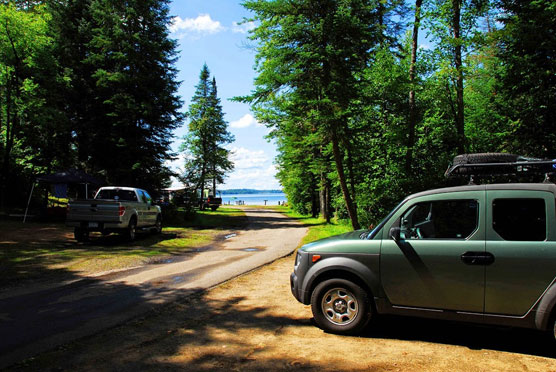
(88,85)
(369,100)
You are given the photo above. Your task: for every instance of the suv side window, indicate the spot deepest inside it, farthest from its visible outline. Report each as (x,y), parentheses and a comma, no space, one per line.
(519,219)
(442,219)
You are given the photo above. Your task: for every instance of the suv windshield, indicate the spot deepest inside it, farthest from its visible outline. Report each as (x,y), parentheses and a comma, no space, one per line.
(374,231)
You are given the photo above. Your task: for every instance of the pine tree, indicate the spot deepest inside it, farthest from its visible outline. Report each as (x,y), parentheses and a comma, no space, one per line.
(313,54)
(528,80)
(219,161)
(206,157)
(122,103)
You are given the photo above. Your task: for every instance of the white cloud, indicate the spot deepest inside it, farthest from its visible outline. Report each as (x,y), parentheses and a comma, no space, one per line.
(243,28)
(245,121)
(203,24)
(262,178)
(253,169)
(247,159)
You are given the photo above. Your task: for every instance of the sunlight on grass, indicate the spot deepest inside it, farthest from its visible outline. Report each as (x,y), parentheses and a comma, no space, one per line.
(318,228)
(35,256)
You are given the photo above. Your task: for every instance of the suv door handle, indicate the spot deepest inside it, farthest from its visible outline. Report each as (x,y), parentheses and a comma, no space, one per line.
(477,258)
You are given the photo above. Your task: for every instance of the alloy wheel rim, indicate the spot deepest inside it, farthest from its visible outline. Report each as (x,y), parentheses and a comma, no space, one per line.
(339,306)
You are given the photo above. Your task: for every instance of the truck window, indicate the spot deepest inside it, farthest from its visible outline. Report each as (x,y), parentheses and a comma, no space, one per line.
(147,197)
(442,219)
(519,219)
(117,194)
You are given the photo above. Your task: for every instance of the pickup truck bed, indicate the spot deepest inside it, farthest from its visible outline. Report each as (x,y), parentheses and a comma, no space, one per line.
(114,209)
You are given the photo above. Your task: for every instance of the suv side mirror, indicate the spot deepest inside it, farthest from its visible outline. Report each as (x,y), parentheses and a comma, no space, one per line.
(394,234)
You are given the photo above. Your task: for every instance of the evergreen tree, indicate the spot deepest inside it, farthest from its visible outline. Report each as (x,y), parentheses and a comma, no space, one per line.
(528,79)
(314,54)
(206,157)
(123,104)
(219,161)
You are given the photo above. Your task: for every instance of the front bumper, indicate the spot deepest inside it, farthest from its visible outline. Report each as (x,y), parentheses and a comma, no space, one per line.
(298,275)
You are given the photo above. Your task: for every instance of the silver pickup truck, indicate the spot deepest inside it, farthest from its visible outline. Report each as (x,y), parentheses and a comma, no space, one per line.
(114,209)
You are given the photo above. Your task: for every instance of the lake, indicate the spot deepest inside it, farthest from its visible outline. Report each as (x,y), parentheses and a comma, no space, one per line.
(254,199)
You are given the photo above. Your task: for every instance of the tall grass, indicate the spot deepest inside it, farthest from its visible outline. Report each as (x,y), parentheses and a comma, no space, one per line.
(318,228)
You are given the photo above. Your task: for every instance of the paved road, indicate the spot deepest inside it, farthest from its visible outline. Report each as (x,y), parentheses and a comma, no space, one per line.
(35,321)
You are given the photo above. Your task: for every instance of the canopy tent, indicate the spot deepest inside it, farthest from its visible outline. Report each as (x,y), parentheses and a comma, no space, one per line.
(62,179)
(70,176)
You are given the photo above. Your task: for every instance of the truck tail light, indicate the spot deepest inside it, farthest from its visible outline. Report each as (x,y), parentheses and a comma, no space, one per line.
(121,210)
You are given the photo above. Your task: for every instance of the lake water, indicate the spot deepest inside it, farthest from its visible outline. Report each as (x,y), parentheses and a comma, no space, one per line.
(254,199)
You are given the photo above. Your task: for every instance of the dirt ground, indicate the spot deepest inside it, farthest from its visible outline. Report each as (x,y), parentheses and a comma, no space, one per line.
(252,323)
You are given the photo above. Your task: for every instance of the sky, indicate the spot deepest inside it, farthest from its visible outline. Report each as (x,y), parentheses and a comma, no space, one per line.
(208,31)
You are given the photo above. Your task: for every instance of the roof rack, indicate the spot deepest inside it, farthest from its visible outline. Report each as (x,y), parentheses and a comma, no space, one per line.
(498,164)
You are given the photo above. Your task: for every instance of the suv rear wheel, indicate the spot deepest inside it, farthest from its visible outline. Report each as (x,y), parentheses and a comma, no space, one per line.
(341,306)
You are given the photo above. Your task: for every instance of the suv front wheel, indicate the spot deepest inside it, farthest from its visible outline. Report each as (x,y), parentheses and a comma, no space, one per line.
(341,306)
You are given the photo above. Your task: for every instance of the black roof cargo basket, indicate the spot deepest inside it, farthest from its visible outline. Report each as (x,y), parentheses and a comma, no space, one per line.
(496,164)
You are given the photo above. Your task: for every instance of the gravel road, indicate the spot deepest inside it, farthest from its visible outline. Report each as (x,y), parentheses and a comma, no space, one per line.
(33,321)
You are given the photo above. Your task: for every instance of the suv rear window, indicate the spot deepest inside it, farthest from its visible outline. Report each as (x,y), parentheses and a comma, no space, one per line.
(519,219)
(443,219)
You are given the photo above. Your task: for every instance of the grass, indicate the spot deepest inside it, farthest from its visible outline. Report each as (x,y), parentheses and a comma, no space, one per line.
(318,228)
(37,251)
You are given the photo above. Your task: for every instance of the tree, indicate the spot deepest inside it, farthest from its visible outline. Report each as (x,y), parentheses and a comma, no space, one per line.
(453,25)
(123,104)
(528,80)
(25,57)
(314,54)
(412,79)
(219,161)
(206,156)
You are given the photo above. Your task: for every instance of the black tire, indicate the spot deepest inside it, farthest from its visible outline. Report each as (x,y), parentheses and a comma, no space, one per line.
(213,208)
(341,306)
(158,225)
(81,235)
(552,330)
(131,230)
(486,157)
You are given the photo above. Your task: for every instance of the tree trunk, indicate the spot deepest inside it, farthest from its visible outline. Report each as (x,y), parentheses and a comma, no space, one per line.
(214,181)
(325,197)
(352,212)
(412,105)
(350,167)
(460,129)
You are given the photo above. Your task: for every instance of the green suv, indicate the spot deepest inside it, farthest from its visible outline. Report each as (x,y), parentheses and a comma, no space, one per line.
(483,254)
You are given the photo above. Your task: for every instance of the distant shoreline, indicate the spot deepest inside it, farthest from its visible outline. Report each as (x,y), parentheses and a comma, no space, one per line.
(249,191)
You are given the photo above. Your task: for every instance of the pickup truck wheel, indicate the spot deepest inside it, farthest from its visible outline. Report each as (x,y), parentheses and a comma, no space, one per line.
(81,235)
(341,306)
(131,230)
(214,208)
(158,224)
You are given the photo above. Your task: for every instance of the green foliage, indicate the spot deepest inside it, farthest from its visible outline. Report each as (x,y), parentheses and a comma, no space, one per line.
(476,88)
(526,47)
(206,157)
(87,84)
(30,139)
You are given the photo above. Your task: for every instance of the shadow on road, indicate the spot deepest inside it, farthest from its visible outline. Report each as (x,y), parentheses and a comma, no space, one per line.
(475,337)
